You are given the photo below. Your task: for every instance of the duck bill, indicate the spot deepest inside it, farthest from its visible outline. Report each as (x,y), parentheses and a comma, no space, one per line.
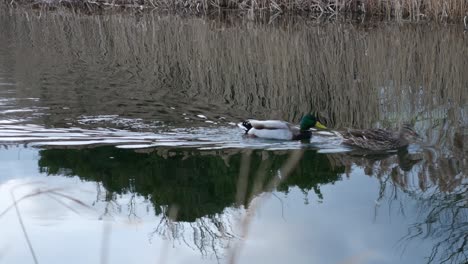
(320,125)
(418,137)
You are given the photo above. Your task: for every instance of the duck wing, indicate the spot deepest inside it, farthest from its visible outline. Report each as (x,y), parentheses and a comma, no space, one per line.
(270,124)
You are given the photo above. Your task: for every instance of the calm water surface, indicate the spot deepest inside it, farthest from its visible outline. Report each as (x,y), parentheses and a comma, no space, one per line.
(119,141)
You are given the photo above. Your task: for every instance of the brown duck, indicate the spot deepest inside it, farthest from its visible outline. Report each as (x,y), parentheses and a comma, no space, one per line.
(379,139)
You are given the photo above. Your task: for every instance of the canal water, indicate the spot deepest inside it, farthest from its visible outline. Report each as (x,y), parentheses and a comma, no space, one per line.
(119,140)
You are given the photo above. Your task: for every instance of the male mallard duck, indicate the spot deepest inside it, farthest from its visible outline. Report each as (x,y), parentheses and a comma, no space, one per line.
(276,129)
(379,139)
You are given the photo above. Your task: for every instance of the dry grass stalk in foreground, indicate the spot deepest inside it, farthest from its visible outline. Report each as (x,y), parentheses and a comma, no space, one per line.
(285,171)
(400,9)
(53,193)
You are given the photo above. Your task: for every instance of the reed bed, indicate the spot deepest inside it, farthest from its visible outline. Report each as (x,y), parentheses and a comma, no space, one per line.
(400,9)
(246,70)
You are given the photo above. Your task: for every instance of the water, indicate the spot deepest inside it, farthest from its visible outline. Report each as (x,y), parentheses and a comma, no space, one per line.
(118,139)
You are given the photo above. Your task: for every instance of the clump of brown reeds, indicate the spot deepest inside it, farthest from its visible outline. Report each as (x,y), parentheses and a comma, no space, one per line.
(399,9)
(415,9)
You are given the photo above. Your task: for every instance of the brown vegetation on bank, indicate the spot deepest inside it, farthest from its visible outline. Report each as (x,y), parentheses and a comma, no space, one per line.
(399,9)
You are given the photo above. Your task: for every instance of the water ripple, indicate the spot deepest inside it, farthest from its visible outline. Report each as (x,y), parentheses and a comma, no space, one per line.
(223,137)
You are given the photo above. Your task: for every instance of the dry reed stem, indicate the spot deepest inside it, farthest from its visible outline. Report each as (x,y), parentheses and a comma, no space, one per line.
(51,193)
(106,231)
(245,222)
(23,228)
(172,216)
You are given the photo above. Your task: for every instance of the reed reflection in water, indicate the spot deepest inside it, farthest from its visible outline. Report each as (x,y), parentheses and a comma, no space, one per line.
(142,65)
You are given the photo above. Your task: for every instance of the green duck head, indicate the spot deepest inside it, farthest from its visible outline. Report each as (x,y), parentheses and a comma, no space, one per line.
(309,121)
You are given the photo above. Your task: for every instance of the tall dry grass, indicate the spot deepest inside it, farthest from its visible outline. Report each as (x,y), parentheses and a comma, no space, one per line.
(400,9)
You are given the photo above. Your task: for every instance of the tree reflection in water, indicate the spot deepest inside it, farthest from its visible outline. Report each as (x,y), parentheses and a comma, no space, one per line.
(196,192)
(197,189)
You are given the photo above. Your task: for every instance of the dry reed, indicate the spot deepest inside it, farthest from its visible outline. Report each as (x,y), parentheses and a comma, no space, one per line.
(400,9)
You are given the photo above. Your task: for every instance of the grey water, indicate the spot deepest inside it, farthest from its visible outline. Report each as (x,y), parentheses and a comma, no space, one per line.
(119,143)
